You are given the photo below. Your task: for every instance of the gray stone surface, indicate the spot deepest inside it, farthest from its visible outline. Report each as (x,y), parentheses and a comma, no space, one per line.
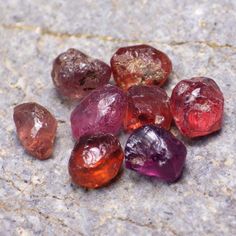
(37,198)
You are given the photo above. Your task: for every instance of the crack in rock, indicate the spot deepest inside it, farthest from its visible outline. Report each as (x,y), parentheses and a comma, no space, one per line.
(165,227)
(12,184)
(107,38)
(54,220)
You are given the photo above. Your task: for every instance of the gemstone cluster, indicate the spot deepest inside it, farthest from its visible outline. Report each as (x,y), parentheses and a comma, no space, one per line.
(135,103)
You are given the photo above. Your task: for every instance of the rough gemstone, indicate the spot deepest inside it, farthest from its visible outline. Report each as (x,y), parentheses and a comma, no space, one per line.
(102,111)
(153,151)
(147,105)
(75,74)
(36,129)
(95,160)
(140,64)
(197,106)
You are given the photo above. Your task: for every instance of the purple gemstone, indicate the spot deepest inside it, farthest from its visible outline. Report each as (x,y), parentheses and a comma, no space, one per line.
(153,151)
(102,111)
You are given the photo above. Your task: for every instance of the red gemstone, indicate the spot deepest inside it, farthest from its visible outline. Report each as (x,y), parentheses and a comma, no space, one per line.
(140,64)
(197,106)
(36,129)
(95,160)
(75,74)
(147,105)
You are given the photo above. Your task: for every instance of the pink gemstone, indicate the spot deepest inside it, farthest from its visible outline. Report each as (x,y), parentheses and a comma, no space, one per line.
(75,74)
(36,129)
(147,105)
(102,111)
(197,106)
(140,64)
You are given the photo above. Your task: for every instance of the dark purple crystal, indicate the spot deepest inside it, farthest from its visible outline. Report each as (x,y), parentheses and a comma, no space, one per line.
(153,151)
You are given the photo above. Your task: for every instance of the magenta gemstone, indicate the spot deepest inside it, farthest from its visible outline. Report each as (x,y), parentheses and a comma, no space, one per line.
(102,111)
(154,151)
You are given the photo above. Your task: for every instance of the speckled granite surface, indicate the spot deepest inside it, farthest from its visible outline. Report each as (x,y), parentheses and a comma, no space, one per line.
(37,198)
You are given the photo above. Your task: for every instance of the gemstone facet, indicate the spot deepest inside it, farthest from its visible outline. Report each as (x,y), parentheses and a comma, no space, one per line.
(102,111)
(36,129)
(75,74)
(147,105)
(197,106)
(153,151)
(140,64)
(95,160)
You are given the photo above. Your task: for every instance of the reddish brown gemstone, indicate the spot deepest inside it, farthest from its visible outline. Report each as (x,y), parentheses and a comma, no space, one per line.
(147,105)
(141,64)
(75,74)
(95,160)
(36,129)
(197,106)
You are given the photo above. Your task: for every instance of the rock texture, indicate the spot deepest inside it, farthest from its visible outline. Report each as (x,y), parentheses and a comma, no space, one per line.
(37,198)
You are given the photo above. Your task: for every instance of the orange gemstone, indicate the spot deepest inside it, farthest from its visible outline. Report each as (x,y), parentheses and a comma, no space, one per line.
(147,105)
(140,64)
(36,129)
(95,160)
